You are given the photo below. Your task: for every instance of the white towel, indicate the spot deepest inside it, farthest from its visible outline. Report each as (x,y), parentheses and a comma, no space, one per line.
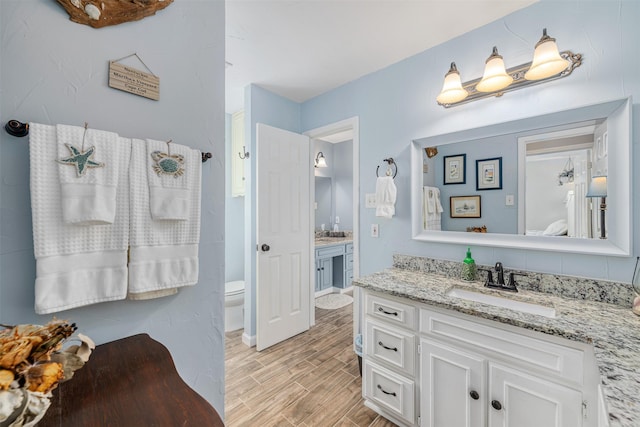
(88,174)
(168,183)
(385,197)
(163,254)
(75,266)
(431,208)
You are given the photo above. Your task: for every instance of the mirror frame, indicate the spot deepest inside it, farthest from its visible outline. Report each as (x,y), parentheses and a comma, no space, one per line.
(619,202)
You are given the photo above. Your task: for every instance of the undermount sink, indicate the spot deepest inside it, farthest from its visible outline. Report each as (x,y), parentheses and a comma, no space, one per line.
(524,307)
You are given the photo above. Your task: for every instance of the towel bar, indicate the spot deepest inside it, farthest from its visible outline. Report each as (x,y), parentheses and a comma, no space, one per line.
(19,129)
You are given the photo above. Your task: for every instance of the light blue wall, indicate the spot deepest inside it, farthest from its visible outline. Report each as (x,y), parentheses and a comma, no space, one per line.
(55,71)
(497,217)
(397,104)
(343,177)
(234,217)
(260,106)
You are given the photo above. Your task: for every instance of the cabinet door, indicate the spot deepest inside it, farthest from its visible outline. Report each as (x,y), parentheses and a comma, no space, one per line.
(520,400)
(326,273)
(452,384)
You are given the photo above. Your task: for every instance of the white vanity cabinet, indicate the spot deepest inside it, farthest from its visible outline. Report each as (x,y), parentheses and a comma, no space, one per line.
(472,372)
(465,389)
(390,350)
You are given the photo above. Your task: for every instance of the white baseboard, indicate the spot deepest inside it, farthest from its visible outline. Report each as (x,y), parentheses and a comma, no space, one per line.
(249,340)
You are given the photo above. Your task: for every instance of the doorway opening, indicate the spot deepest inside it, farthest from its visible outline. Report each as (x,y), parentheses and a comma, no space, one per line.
(334,190)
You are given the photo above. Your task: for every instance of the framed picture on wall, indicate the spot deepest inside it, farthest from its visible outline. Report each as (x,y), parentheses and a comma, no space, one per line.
(454,169)
(464,206)
(489,174)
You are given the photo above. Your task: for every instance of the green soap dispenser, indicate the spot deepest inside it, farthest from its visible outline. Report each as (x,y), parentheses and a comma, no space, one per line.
(469,268)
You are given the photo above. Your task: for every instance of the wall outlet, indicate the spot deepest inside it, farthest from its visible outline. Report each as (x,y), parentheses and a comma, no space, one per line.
(370,200)
(510,200)
(374,230)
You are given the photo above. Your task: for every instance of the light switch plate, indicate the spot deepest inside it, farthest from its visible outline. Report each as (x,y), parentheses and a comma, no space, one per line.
(510,199)
(370,200)
(374,230)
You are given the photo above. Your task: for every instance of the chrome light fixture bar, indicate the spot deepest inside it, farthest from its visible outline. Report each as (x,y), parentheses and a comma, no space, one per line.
(547,65)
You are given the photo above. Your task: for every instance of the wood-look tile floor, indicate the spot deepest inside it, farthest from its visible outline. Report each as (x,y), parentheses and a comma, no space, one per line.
(309,380)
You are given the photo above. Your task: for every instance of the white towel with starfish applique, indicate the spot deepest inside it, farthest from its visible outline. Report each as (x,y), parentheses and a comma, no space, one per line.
(88,169)
(168,183)
(75,266)
(163,255)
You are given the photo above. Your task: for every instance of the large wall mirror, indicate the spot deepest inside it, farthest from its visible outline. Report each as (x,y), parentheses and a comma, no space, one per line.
(525,183)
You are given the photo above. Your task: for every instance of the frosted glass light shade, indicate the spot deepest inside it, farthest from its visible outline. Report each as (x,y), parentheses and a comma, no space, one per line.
(547,61)
(321,162)
(452,90)
(495,75)
(597,186)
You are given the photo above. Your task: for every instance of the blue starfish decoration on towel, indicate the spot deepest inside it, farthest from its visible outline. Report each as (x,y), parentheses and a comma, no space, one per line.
(81,160)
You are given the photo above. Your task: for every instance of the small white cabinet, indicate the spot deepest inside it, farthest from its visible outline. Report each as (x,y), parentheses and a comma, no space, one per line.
(468,372)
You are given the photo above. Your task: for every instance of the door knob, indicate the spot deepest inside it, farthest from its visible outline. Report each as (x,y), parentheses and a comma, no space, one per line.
(474,395)
(265,247)
(496,405)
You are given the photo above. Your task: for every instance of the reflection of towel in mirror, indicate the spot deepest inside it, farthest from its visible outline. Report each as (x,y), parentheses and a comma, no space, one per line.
(431,208)
(385,197)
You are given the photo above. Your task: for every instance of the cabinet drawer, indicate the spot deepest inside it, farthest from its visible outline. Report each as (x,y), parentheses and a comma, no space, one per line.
(392,311)
(390,391)
(393,347)
(525,351)
(329,251)
(348,261)
(348,248)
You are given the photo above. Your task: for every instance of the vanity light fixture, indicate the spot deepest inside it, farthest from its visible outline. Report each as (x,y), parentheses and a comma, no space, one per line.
(495,76)
(321,162)
(548,64)
(452,90)
(598,188)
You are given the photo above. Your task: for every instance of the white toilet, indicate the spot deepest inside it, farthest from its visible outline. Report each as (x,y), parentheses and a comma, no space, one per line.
(233,305)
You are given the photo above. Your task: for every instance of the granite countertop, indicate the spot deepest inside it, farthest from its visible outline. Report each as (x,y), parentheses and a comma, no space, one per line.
(614,331)
(328,241)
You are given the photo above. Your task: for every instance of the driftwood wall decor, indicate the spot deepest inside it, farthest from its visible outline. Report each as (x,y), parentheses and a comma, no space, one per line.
(101,13)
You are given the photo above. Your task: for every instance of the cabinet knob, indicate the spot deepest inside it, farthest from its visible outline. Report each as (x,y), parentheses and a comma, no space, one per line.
(496,405)
(265,247)
(474,395)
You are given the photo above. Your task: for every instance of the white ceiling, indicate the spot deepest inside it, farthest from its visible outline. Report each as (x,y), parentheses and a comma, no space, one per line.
(301,48)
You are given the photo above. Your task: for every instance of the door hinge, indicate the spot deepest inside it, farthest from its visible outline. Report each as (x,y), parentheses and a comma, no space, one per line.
(419,420)
(419,348)
(584,409)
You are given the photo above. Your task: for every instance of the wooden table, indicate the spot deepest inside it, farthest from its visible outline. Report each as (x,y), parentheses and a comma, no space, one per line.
(129,382)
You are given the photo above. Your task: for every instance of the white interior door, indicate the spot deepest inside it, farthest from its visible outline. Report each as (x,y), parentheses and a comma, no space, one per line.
(283,235)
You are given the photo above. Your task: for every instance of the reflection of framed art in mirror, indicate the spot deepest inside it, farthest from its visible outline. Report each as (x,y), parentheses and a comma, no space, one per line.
(489,174)
(454,169)
(464,206)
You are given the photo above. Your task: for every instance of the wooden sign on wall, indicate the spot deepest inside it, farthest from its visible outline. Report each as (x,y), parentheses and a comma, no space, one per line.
(134,81)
